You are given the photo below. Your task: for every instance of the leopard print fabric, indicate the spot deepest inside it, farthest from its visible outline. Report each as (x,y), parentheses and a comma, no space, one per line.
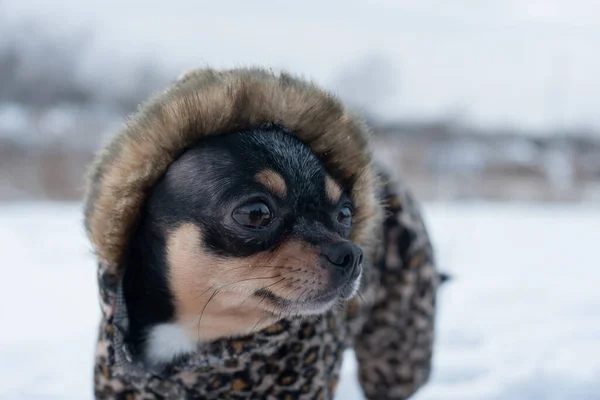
(394,349)
(390,326)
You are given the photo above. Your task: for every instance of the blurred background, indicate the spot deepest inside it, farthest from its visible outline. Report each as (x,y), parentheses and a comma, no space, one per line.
(490,110)
(474,100)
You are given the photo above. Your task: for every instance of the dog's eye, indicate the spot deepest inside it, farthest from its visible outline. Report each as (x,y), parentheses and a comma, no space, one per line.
(344,216)
(253,215)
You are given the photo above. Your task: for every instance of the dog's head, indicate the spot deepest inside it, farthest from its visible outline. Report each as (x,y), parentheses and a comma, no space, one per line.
(254,230)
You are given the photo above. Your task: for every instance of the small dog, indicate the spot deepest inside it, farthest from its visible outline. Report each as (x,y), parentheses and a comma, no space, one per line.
(245,239)
(242,230)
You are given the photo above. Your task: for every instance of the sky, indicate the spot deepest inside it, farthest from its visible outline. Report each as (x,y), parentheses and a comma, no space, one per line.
(507,63)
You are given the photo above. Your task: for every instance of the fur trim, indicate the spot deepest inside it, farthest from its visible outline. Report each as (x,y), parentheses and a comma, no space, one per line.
(208,102)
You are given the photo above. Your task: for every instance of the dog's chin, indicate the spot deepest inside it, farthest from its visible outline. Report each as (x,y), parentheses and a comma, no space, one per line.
(311,306)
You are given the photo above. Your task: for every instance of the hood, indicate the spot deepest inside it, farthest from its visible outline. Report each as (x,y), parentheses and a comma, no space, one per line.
(202,103)
(209,102)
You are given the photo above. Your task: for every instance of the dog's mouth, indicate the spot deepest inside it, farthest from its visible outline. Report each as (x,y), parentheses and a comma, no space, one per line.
(308,306)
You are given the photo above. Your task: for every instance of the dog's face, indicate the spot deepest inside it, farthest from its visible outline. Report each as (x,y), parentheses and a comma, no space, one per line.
(254,230)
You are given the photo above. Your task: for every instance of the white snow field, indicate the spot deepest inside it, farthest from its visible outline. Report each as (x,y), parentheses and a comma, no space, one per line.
(521,320)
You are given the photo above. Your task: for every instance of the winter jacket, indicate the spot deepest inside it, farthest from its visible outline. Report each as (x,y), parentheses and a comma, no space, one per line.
(390,325)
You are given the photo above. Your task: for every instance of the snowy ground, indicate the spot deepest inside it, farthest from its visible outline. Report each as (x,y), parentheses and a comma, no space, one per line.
(520,321)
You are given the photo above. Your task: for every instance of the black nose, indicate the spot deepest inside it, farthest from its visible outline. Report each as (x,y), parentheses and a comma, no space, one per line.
(344,255)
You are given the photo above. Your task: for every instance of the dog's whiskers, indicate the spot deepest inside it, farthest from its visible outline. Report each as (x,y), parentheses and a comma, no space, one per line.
(302,294)
(273,284)
(264,297)
(236,282)
(257,323)
(204,308)
(203,293)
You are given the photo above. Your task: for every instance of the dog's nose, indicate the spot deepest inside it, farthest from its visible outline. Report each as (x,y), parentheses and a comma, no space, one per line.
(344,255)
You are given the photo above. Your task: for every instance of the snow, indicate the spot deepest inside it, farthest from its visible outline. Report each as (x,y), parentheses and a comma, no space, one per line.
(520,320)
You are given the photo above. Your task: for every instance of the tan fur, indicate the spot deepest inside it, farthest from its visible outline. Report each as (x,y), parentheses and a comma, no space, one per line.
(208,102)
(333,189)
(273,181)
(214,297)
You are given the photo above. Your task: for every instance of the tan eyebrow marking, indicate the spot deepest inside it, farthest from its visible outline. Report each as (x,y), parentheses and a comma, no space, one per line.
(272,181)
(333,189)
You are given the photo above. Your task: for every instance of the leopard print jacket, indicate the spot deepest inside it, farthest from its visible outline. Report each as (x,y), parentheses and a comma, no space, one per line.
(390,326)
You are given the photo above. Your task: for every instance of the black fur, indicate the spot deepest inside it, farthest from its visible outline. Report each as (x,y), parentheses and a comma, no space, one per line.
(203,186)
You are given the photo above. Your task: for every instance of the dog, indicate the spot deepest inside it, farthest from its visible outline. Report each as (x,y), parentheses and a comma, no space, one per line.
(242,229)
(245,239)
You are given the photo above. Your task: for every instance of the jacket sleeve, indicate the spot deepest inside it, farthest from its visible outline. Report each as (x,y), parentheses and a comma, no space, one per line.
(394,349)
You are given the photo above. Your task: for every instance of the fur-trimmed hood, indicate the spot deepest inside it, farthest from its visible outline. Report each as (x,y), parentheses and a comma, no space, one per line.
(209,102)
(202,103)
